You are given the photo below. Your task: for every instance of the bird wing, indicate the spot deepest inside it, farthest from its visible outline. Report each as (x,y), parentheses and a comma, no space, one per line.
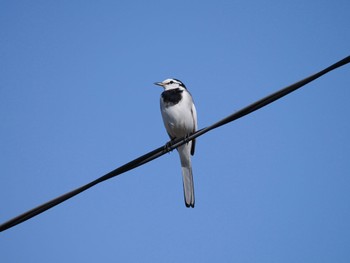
(194,118)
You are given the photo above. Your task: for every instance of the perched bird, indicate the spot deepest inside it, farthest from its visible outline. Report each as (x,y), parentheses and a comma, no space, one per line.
(180,120)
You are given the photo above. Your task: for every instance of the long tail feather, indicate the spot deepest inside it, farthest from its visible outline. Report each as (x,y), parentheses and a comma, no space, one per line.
(187,177)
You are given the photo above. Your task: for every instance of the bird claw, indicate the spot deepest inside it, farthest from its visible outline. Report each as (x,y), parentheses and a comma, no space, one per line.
(167,146)
(186,138)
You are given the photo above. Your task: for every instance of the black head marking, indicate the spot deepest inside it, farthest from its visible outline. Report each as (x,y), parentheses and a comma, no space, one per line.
(172,96)
(181,84)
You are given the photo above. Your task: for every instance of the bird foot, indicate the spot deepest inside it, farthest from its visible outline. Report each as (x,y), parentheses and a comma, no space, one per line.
(167,146)
(186,140)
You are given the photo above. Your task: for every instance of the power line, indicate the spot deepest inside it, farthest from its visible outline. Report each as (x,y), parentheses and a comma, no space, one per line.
(171,145)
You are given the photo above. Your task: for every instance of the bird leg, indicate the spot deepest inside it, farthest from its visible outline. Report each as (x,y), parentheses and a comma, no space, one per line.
(186,140)
(167,146)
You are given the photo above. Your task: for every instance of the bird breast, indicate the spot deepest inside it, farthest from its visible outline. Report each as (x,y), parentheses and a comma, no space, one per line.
(178,118)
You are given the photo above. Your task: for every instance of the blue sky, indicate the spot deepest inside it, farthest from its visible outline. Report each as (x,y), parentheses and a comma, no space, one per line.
(77,100)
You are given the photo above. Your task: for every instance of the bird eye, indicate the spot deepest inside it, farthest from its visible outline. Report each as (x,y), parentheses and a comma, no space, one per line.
(171,82)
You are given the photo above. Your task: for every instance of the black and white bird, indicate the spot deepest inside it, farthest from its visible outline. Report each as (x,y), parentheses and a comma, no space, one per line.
(180,120)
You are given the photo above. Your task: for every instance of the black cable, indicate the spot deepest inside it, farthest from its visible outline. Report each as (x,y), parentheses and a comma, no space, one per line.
(171,146)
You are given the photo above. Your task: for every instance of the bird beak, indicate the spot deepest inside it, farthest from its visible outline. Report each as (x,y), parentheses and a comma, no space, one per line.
(159,84)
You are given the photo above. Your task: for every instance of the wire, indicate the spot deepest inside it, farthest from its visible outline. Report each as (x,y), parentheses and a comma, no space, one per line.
(171,145)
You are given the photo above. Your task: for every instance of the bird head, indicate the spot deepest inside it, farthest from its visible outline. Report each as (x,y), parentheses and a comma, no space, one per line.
(169,84)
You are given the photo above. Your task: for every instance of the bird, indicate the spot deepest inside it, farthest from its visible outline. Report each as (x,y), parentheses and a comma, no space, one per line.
(180,120)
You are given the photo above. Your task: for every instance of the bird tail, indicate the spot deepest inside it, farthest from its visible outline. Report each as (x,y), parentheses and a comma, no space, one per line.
(187,177)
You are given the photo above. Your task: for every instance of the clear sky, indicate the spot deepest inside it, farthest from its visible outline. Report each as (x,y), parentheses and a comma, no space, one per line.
(77,100)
